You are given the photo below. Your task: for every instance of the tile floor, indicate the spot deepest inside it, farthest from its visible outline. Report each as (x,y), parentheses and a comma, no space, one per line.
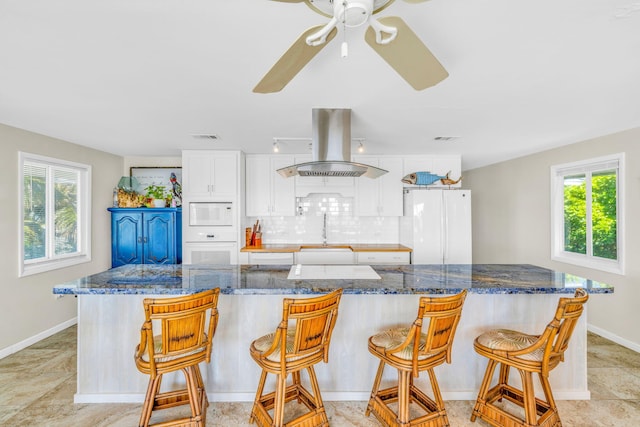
(37,386)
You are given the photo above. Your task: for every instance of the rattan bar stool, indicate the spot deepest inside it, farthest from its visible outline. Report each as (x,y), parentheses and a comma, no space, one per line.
(300,341)
(187,325)
(528,354)
(410,351)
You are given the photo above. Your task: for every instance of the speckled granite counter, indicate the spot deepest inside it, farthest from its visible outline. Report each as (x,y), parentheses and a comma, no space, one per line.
(522,297)
(272,280)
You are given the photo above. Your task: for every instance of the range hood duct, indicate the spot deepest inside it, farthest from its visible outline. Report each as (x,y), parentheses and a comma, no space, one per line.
(331,148)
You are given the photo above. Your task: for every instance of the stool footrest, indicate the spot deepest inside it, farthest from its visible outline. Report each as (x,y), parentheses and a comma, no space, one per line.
(316,416)
(486,410)
(378,404)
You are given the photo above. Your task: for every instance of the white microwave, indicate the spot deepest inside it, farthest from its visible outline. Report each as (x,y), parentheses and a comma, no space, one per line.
(210,213)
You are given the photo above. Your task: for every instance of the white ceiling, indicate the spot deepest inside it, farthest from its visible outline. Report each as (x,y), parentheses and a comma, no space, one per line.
(140,77)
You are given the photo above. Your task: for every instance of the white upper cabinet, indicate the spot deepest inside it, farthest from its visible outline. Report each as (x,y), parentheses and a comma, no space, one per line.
(267,192)
(321,184)
(210,174)
(380,196)
(436,164)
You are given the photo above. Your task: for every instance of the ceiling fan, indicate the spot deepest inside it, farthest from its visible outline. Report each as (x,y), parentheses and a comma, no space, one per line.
(390,37)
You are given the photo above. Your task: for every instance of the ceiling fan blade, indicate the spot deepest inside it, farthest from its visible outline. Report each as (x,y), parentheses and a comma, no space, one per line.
(293,60)
(408,55)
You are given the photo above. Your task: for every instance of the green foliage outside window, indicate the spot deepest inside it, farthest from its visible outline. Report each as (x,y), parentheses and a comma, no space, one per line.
(603,214)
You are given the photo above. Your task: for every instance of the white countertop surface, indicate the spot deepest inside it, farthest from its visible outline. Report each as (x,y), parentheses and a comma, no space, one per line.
(311,272)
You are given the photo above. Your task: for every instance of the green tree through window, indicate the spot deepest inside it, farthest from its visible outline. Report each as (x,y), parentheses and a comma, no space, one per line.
(587,212)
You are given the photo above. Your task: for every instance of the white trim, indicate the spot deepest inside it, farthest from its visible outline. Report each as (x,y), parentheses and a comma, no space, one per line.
(27,268)
(326,396)
(613,337)
(557,220)
(7,351)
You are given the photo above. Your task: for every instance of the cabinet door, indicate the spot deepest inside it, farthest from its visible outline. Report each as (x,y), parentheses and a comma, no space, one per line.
(258,188)
(390,195)
(126,238)
(283,193)
(224,175)
(367,201)
(196,174)
(159,238)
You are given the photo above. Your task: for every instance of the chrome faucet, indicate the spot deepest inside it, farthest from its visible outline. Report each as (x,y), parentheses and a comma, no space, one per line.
(324,229)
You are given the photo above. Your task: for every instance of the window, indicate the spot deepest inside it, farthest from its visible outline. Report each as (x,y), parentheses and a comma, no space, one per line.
(54,208)
(586,203)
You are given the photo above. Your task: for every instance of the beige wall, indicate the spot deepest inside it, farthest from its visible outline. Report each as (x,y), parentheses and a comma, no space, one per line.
(511,224)
(28,308)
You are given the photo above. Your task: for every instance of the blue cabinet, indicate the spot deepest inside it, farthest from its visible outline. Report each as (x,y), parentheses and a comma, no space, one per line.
(146,236)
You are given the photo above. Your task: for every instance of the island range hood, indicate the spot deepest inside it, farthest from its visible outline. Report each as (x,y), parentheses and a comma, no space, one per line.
(331,148)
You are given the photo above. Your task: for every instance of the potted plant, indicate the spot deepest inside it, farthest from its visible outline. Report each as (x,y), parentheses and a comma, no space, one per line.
(158,194)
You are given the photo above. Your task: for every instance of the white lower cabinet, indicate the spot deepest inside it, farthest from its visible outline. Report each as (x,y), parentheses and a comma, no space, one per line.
(325,256)
(271,258)
(383,257)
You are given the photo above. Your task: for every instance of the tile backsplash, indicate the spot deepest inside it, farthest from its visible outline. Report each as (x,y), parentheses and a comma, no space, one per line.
(342,225)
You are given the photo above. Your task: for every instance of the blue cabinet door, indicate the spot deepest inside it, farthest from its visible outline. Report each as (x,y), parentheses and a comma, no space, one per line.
(126,238)
(160,238)
(146,236)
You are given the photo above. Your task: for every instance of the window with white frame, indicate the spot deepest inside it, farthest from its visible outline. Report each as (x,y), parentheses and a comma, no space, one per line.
(586,218)
(54,211)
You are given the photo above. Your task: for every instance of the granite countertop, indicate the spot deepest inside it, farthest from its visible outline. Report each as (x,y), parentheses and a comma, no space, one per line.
(272,279)
(355,247)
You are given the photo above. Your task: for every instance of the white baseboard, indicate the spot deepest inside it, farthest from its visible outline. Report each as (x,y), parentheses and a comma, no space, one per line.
(613,337)
(335,396)
(34,339)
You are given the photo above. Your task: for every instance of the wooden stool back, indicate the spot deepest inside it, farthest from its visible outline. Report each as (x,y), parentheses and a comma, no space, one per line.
(186,327)
(301,340)
(528,354)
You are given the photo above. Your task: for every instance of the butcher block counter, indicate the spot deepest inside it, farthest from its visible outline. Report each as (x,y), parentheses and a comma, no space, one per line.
(520,297)
(355,247)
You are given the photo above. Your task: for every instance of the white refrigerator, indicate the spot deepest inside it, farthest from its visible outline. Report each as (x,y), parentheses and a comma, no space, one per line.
(437,226)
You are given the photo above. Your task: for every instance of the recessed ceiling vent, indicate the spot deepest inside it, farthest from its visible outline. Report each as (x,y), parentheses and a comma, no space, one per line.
(331,148)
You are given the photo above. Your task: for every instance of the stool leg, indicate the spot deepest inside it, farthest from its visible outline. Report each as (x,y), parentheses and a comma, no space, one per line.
(529,398)
(316,389)
(404,381)
(546,387)
(278,405)
(256,402)
(376,386)
(437,396)
(149,400)
(484,388)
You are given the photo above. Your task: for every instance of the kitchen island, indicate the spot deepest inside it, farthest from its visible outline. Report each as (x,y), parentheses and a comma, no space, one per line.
(522,297)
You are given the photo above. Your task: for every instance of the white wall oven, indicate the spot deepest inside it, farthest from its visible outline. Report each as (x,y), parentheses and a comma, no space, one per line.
(210,253)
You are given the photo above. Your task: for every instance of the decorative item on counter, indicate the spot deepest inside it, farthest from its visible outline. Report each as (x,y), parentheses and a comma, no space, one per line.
(127,194)
(254,235)
(247,236)
(176,190)
(157,194)
(428,178)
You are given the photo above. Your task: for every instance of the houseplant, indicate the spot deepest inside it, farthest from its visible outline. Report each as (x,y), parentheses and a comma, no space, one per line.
(158,194)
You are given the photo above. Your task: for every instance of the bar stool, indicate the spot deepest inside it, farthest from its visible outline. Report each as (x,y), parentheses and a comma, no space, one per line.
(185,341)
(410,351)
(527,354)
(300,341)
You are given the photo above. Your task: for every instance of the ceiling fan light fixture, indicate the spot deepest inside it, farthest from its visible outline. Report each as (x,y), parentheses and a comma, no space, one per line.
(354,13)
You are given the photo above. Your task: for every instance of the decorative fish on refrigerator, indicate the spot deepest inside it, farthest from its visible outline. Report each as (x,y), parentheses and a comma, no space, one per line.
(422,178)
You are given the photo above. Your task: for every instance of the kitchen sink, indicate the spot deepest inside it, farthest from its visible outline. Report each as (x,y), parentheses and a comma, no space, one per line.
(329,248)
(325,254)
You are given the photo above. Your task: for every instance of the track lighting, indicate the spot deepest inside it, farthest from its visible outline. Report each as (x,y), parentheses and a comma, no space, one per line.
(276,147)
(361,148)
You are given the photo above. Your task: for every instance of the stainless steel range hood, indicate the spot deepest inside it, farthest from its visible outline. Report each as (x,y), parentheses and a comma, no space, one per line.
(331,148)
